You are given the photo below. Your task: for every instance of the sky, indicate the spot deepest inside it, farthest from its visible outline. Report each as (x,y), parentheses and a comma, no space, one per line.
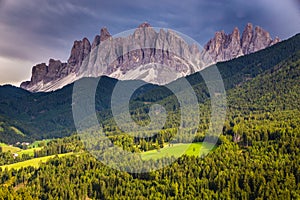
(33,31)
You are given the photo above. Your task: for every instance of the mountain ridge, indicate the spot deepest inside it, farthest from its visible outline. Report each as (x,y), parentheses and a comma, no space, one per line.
(138,64)
(225,47)
(49,114)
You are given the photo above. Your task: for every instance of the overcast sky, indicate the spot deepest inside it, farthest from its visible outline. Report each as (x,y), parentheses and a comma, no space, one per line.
(32,31)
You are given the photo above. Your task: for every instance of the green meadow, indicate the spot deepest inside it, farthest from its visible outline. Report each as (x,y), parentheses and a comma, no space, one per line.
(37,143)
(35,162)
(12,149)
(176,150)
(6,148)
(30,152)
(2,144)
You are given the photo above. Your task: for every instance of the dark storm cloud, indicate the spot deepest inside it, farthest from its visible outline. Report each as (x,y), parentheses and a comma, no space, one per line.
(56,23)
(35,30)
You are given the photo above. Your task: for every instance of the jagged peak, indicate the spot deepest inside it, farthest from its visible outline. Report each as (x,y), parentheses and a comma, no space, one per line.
(258,29)
(220,35)
(223,46)
(104,30)
(144,25)
(249,26)
(235,30)
(277,39)
(222,32)
(104,34)
(52,60)
(248,30)
(84,41)
(96,41)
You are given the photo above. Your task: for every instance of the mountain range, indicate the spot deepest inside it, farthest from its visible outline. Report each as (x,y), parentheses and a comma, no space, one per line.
(253,153)
(155,56)
(264,81)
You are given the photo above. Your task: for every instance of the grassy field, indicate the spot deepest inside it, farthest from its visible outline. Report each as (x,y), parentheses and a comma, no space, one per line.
(177,150)
(2,144)
(30,152)
(194,149)
(33,162)
(32,147)
(36,143)
(6,148)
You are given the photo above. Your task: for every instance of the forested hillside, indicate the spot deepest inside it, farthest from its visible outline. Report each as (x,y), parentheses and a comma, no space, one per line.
(257,156)
(48,115)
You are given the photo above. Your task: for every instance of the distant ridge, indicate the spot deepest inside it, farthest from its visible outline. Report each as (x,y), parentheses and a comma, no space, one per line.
(84,59)
(49,115)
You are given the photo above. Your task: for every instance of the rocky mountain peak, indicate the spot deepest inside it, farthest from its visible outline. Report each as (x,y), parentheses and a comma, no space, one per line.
(79,52)
(260,32)
(154,53)
(247,38)
(145,35)
(248,27)
(260,40)
(220,35)
(104,34)
(144,25)
(43,73)
(235,37)
(236,32)
(96,41)
(225,47)
(276,40)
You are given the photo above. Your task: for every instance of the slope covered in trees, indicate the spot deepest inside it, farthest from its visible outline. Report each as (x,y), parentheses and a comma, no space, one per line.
(263,170)
(48,115)
(258,156)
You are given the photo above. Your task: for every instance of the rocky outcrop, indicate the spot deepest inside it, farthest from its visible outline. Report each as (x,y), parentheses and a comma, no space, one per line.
(80,50)
(261,40)
(104,34)
(132,57)
(156,57)
(43,73)
(96,41)
(225,47)
(38,73)
(247,38)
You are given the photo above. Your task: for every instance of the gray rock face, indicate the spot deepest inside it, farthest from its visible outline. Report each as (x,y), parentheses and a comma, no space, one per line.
(225,47)
(104,34)
(145,54)
(43,73)
(247,38)
(96,41)
(39,72)
(155,57)
(79,52)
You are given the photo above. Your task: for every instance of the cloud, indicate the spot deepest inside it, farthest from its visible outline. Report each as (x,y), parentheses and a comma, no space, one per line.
(14,71)
(33,31)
